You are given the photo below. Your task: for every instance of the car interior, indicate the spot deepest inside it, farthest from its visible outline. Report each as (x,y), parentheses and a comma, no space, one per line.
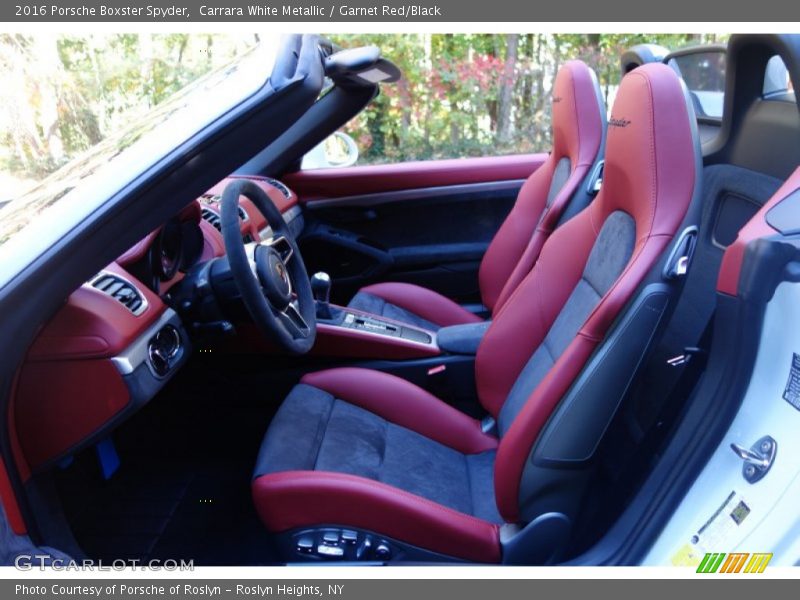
(484,360)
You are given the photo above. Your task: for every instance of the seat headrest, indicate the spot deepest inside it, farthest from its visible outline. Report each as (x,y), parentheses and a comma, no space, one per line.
(651,152)
(579,114)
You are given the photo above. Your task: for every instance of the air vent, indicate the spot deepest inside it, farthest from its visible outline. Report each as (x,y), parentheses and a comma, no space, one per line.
(121,290)
(212,217)
(280,187)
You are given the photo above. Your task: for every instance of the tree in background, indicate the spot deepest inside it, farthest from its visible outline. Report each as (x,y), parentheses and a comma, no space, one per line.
(60,95)
(480,94)
(461,95)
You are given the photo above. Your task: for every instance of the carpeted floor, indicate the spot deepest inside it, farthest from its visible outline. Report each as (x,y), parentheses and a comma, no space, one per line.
(183,488)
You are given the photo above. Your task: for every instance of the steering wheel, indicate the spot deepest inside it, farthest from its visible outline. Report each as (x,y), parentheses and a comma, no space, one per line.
(270,275)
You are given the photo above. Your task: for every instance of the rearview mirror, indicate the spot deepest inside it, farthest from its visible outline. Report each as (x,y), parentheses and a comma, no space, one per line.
(335,151)
(702,69)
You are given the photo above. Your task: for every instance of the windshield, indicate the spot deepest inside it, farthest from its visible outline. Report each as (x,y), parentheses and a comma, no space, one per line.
(59,200)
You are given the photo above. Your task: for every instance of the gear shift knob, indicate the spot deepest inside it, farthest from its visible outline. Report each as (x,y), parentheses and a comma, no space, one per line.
(321,288)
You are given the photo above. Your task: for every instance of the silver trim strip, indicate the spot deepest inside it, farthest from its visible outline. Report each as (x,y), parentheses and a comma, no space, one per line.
(137,352)
(288,216)
(416,194)
(380,336)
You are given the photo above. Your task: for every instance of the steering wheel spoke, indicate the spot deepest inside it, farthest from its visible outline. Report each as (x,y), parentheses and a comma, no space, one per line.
(250,250)
(294,322)
(282,246)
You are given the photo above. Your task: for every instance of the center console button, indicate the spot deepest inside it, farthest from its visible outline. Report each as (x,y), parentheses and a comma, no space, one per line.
(305,545)
(349,537)
(383,552)
(331,551)
(330,537)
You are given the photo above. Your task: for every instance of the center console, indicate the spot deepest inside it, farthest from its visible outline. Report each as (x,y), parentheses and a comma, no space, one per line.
(351,333)
(376,325)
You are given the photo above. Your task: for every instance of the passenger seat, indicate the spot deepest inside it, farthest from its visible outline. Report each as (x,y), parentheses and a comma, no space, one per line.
(364,453)
(555,189)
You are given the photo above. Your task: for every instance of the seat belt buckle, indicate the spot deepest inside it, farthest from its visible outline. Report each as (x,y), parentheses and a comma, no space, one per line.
(595,181)
(681,266)
(488,425)
(685,357)
(680,258)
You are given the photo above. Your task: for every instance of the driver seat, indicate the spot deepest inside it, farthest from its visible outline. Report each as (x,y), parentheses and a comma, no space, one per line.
(360,464)
(555,191)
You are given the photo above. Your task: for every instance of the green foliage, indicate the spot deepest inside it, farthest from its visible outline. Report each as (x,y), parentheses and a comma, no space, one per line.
(461,95)
(60,95)
(450,102)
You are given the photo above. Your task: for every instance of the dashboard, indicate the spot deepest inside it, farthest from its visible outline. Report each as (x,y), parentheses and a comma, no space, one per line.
(115,342)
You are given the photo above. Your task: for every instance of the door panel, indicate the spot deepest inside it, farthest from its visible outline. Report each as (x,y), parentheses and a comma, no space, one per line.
(424,223)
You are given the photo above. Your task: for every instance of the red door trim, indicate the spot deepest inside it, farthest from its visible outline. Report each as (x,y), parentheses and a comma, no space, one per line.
(337,183)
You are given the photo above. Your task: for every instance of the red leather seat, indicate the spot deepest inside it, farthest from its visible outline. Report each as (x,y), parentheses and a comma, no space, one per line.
(578,125)
(362,449)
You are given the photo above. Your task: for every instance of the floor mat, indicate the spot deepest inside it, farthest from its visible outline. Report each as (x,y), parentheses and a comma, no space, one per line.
(183,487)
(202,513)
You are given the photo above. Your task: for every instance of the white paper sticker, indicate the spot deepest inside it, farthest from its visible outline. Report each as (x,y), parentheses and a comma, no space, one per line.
(718,533)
